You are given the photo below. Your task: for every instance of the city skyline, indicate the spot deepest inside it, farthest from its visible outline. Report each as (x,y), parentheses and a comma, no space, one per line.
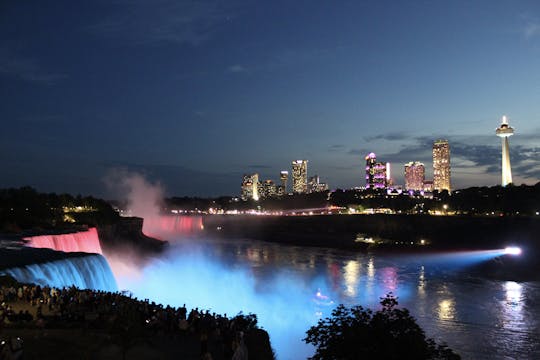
(195,94)
(377,176)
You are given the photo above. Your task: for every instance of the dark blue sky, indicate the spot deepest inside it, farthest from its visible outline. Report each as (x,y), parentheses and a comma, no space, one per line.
(195,93)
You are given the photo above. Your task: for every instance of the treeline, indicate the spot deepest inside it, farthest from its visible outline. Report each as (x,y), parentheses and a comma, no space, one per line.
(287,202)
(509,200)
(25,208)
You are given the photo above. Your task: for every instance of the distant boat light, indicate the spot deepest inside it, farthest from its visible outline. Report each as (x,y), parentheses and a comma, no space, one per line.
(512,250)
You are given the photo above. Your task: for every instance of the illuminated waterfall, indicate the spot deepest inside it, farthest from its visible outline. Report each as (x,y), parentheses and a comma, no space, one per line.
(84,272)
(166,225)
(84,241)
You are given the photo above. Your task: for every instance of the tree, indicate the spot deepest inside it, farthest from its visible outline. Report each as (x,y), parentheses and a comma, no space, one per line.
(358,333)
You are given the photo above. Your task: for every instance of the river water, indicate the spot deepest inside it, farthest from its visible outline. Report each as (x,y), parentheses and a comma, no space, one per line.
(290,288)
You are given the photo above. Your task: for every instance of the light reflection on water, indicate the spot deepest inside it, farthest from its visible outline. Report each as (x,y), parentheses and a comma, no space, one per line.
(476,317)
(351,276)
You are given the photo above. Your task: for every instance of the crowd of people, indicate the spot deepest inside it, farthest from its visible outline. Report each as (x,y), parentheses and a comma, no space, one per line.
(125,317)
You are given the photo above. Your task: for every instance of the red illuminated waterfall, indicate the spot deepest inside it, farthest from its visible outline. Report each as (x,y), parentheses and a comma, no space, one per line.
(84,241)
(166,226)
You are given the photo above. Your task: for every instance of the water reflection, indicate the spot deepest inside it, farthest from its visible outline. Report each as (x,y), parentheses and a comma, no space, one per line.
(334,276)
(351,276)
(312,261)
(389,279)
(447,309)
(422,281)
(513,307)
(371,269)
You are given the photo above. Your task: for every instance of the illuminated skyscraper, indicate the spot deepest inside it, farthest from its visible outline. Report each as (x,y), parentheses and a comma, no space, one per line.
(414,176)
(250,184)
(389,181)
(267,189)
(284,177)
(314,185)
(504,132)
(375,173)
(441,165)
(299,176)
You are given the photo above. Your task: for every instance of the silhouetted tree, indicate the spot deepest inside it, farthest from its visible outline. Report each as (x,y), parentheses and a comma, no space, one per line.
(358,333)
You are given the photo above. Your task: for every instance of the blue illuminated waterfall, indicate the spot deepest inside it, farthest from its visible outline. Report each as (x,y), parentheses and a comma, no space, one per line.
(84,272)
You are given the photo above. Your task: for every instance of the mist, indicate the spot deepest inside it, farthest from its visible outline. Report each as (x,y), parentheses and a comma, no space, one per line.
(189,274)
(144,198)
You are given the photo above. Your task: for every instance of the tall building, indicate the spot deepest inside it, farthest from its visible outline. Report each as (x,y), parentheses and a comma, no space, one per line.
(299,176)
(428,186)
(250,187)
(267,189)
(284,177)
(389,181)
(441,165)
(504,132)
(315,185)
(375,173)
(414,176)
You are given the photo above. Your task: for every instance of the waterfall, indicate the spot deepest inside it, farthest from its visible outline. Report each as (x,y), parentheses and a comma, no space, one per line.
(167,225)
(84,272)
(84,241)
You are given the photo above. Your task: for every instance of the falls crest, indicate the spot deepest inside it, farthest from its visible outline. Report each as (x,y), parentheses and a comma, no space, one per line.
(83,241)
(167,226)
(84,272)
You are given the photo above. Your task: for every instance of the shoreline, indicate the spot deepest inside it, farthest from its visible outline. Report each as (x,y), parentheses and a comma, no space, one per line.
(441,234)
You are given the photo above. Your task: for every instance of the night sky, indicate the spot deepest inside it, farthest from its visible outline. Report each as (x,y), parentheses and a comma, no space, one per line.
(195,93)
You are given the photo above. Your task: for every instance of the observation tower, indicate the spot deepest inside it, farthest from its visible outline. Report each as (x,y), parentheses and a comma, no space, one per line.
(504,132)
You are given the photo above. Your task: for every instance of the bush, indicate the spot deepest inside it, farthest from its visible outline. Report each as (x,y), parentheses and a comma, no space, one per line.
(358,333)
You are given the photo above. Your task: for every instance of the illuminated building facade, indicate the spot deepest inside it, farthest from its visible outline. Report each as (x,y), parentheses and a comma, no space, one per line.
(314,185)
(250,187)
(389,181)
(504,132)
(267,189)
(299,176)
(441,165)
(376,177)
(414,176)
(284,178)
(428,186)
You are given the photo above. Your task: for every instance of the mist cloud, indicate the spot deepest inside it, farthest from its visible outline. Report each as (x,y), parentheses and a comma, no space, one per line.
(144,198)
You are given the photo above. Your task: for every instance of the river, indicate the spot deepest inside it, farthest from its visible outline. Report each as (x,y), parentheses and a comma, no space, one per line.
(290,288)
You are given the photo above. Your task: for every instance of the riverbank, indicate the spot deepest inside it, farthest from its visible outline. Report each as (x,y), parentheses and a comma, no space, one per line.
(396,234)
(441,232)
